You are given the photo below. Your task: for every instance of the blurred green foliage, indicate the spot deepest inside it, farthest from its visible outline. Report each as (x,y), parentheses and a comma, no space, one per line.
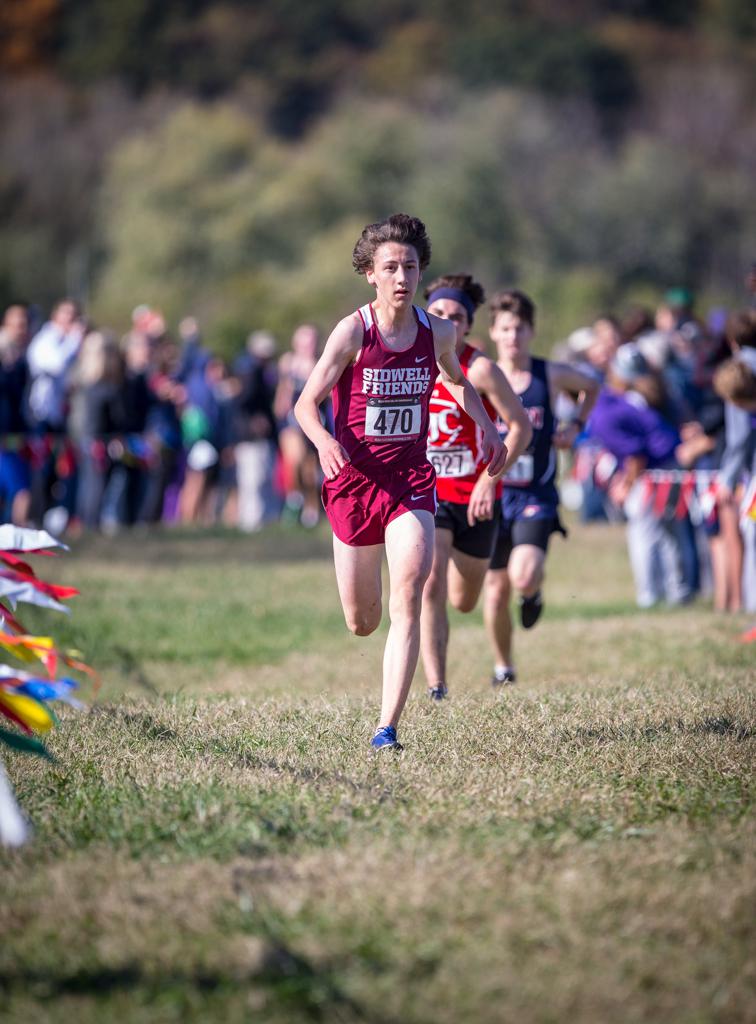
(206,214)
(220,157)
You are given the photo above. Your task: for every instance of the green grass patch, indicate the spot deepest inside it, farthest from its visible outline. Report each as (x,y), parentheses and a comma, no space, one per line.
(214,840)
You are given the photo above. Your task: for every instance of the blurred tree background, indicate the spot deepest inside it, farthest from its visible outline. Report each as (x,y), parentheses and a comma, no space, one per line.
(219,157)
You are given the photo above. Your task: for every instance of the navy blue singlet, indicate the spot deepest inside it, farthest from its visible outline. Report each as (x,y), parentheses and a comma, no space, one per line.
(530,483)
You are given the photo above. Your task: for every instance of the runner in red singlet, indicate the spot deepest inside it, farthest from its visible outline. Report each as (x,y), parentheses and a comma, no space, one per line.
(469,506)
(381,363)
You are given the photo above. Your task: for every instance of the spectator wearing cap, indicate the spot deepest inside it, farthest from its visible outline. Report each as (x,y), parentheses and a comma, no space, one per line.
(639,438)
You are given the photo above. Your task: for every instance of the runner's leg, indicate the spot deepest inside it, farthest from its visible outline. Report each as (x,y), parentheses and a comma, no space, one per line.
(525,568)
(409,549)
(496,615)
(434,622)
(465,579)
(358,575)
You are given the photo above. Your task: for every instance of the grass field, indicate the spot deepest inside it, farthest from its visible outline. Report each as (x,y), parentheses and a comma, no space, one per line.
(214,841)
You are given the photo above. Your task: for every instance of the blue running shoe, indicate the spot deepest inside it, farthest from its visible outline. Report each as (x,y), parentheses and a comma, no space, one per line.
(385,739)
(439,692)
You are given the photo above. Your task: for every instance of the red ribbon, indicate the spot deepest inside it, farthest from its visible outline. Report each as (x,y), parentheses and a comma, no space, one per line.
(51,589)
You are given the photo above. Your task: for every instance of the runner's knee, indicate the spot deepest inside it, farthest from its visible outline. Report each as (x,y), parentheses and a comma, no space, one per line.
(406,600)
(525,570)
(363,623)
(463,601)
(435,588)
(497,591)
(526,579)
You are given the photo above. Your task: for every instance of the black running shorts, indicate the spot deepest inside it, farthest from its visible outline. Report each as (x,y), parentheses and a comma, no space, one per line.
(513,532)
(477,541)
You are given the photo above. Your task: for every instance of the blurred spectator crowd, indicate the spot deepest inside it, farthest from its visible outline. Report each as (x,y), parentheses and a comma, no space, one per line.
(100,432)
(670,447)
(103,433)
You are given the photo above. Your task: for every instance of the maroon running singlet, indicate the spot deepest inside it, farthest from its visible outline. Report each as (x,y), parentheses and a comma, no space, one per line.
(381,409)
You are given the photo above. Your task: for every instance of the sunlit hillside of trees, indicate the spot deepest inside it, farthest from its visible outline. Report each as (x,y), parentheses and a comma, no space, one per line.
(221,157)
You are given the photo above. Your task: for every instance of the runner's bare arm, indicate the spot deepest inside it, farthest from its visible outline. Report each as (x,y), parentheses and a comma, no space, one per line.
(563,377)
(340,349)
(489,380)
(464,394)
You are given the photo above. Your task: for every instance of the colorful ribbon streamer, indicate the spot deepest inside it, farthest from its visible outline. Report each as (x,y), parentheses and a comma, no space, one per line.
(25,696)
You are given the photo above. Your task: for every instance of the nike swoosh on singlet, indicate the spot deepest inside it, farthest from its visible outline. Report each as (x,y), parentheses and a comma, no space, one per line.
(420,359)
(416,498)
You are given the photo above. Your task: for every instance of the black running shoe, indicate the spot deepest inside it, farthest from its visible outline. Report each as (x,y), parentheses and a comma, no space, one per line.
(530,610)
(438,692)
(503,677)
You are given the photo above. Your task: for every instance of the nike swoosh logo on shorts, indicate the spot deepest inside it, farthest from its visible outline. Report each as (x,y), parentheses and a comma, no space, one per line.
(420,359)
(417,497)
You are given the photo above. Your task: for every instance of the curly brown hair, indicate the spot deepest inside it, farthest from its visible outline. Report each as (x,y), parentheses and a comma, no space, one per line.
(400,228)
(515,302)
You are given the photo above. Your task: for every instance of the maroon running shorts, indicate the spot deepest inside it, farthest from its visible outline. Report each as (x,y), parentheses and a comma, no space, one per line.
(359,508)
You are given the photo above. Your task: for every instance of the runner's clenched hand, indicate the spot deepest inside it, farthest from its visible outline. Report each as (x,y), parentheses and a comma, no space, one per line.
(333,458)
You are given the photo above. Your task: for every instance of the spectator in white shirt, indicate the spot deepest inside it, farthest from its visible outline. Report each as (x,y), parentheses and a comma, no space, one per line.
(50,356)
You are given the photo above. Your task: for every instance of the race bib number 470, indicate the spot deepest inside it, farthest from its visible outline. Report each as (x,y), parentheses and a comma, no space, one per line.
(393,421)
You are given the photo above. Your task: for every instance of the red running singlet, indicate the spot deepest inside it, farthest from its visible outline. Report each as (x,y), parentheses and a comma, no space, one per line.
(381,401)
(455,442)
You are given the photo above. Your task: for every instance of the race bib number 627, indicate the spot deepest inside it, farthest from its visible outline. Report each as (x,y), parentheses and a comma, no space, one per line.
(451,463)
(392,421)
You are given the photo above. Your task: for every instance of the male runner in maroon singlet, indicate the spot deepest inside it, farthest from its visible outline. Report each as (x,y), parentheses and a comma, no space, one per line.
(469,500)
(381,363)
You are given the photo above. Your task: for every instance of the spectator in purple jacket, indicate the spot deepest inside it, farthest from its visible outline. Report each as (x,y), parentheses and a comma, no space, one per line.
(639,438)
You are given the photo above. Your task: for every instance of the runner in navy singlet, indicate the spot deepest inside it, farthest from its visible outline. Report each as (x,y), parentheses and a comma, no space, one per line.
(530,503)
(379,490)
(468,513)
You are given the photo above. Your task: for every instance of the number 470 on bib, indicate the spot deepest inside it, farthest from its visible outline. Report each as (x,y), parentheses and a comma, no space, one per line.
(394,421)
